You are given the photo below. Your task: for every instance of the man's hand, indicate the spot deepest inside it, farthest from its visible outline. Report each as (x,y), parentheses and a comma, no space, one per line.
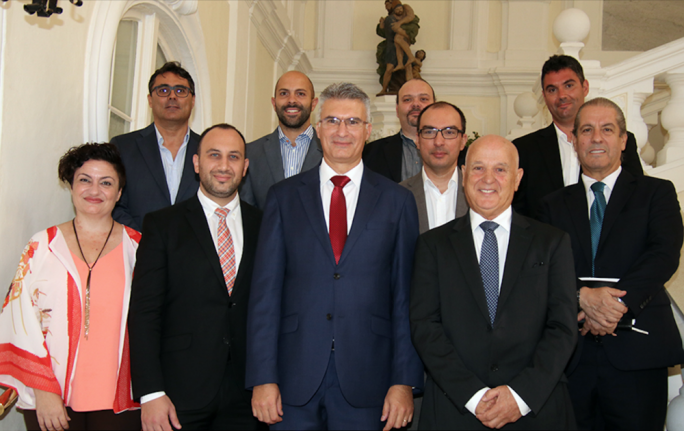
(50,411)
(592,326)
(398,407)
(503,410)
(157,414)
(484,406)
(266,403)
(602,306)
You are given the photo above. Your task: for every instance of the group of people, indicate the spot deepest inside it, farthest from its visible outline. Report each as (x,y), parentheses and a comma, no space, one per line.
(307,280)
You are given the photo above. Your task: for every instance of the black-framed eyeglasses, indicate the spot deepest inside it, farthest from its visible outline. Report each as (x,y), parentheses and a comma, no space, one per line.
(447,132)
(351,123)
(166,90)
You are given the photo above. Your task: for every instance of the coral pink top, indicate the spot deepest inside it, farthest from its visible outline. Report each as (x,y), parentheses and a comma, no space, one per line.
(95,375)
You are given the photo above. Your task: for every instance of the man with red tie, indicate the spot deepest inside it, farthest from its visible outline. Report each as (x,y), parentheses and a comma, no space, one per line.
(328,338)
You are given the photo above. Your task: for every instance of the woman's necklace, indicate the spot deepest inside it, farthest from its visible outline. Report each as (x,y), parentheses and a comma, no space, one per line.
(90,270)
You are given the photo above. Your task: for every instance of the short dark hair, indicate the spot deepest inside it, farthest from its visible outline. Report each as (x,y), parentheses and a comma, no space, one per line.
(443,105)
(606,103)
(224,126)
(556,63)
(175,68)
(77,156)
(417,79)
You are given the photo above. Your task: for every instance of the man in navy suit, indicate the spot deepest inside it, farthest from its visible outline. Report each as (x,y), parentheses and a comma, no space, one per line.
(158,158)
(328,337)
(625,227)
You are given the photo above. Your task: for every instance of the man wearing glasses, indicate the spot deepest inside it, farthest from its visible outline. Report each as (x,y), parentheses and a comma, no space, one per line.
(158,158)
(438,187)
(328,339)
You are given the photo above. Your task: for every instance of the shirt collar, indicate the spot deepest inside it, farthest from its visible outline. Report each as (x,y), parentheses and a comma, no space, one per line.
(355,174)
(406,140)
(160,138)
(209,206)
(453,182)
(307,135)
(503,219)
(609,181)
(562,137)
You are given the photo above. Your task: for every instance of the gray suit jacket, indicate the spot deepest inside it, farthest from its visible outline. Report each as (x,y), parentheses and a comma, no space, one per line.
(266,166)
(415,184)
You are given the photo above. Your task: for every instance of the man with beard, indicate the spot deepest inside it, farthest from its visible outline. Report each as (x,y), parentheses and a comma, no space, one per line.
(189,298)
(396,157)
(292,148)
(158,158)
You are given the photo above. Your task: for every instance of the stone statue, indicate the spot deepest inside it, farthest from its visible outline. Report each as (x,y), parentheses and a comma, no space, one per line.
(399,28)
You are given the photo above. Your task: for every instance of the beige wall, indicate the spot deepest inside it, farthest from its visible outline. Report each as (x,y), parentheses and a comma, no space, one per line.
(263,91)
(214,16)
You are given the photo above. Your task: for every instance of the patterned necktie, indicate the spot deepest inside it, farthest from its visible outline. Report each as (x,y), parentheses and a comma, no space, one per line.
(338,216)
(598,209)
(489,267)
(226,251)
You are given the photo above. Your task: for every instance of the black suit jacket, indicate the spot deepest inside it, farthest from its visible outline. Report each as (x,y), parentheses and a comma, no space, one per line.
(146,189)
(543,172)
(534,332)
(185,331)
(640,243)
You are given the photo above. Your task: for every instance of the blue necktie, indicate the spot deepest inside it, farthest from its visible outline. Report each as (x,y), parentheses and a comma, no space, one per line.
(489,267)
(598,209)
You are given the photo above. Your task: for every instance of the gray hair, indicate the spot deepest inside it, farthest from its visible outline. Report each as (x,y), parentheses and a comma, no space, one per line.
(344,91)
(605,103)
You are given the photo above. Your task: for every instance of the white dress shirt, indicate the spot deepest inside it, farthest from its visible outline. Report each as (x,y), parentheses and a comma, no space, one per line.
(568,156)
(350,190)
(234,222)
(441,207)
(609,181)
(173,167)
(503,234)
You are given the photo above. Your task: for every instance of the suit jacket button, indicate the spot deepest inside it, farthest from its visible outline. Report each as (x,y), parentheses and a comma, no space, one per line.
(328,316)
(494,368)
(337,276)
(226,340)
(231,304)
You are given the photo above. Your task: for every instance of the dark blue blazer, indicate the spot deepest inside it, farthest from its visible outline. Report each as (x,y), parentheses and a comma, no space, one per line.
(301,300)
(146,189)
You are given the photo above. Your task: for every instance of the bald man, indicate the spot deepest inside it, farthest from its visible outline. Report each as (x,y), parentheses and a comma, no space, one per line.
(493,308)
(292,148)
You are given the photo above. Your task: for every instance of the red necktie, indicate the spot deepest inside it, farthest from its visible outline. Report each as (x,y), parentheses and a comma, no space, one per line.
(338,216)
(226,251)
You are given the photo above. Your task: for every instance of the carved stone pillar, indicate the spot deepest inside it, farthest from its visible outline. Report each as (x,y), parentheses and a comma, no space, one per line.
(384,117)
(672,118)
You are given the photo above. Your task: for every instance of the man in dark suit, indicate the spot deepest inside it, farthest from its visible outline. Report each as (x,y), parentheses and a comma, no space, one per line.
(189,298)
(493,306)
(396,157)
(438,188)
(158,158)
(628,228)
(547,155)
(328,342)
(292,148)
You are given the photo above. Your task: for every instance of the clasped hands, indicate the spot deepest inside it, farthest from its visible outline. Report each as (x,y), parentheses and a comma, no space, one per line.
(601,310)
(497,408)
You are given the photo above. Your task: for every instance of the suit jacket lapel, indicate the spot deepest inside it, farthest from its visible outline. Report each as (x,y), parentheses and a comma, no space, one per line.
(518,244)
(621,194)
(198,222)
(368,198)
(274,157)
(578,211)
(464,248)
(551,156)
(185,189)
(310,195)
(461,202)
(314,155)
(250,232)
(149,148)
(415,185)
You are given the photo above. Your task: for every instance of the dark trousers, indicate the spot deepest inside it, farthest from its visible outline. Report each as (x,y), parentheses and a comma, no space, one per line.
(329,410)
(224,412)
(97,420)
(607,398)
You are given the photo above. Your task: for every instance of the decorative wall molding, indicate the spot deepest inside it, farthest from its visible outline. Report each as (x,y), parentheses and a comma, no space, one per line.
(276,33)
(183,7)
